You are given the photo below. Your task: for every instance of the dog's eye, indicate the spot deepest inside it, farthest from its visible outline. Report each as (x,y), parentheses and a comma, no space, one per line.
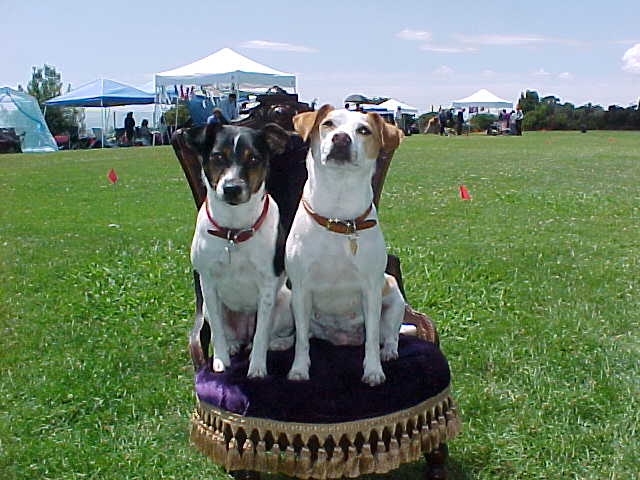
(363,131)
(327,123)
(217,157)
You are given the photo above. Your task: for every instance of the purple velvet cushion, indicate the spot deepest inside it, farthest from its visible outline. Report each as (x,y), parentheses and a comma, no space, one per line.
(334,393)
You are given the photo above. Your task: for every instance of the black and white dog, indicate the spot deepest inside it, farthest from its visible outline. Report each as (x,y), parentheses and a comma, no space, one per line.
(335,255)
(238,245)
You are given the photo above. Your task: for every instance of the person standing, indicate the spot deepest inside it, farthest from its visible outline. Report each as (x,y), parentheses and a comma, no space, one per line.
(129,127)
(145,134)
(460,121)
(398,118)
(442,120)
(512,122)
(519,116)
(228,107)
(164,131)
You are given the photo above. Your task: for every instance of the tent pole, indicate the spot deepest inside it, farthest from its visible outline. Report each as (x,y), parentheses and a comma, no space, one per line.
(102,131)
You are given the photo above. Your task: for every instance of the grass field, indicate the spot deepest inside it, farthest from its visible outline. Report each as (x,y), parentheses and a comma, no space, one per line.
(533,284)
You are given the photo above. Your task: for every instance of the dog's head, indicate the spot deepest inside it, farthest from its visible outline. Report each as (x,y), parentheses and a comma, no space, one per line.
(235,160)
(347,138)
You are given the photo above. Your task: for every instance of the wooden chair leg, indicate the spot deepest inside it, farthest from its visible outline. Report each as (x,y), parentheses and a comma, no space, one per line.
(245,475)
(436,463)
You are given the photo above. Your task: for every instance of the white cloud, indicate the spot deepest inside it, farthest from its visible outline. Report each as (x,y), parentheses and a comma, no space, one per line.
(284,47)
(420,35)
(447,49)
(443,71)
(631,59)
(541,72)
(565,76)
(526,40)
(501,40)
(488,73)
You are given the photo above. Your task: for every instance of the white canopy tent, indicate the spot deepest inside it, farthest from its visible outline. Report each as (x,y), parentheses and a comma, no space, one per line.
(226,68)
(482,99)
(392,105)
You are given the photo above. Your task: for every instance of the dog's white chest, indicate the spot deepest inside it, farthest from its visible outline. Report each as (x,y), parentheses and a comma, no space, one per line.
(237,283)
(237,270)
(337,275)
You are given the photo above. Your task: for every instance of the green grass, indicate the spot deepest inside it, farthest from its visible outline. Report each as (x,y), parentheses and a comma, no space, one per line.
(533,285)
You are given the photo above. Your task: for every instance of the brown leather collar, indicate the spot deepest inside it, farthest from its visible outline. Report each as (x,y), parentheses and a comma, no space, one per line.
(237,235)
(346,227)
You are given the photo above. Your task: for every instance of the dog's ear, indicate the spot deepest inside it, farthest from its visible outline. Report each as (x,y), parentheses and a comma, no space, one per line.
(306,123)
(200,138)
(275,137)
(388,135)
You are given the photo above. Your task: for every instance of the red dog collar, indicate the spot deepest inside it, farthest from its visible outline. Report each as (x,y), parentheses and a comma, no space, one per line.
(237,235)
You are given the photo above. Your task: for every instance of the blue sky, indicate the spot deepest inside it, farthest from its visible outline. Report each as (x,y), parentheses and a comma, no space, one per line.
(423,53)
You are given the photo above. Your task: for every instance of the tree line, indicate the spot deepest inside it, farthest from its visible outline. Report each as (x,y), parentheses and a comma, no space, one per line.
(548,113)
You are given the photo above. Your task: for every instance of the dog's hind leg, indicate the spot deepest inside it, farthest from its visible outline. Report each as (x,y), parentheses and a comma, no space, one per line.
(301,306)
(282,332)
(391,319)
(212,308)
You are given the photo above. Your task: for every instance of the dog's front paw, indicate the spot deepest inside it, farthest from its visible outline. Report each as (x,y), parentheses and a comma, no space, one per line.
(389,352)
(373,376)
(218,365)
(256,371)
(220,362)
(298,374)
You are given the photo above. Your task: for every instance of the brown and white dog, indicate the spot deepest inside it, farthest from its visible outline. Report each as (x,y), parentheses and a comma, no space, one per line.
(335,254)
(238,245)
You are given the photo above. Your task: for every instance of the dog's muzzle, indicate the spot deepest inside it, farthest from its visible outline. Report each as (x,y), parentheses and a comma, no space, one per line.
(340,147)
(234,192)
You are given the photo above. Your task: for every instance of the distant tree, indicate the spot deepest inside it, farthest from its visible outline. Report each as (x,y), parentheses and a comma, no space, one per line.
(183,116)
(550,100)
(46,83)
(529,101)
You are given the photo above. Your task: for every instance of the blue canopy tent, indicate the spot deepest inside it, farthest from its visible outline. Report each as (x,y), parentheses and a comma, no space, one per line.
(21,113)
(102,93)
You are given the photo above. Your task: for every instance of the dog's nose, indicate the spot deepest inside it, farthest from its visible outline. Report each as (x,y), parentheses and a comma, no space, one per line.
(341,140)
(231,190)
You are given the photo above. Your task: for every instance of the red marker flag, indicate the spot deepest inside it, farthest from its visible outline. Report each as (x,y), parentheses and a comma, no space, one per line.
(113,178)
(464,194)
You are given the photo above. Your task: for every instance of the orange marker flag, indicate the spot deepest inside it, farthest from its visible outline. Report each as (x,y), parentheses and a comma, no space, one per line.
(464,194)
(113,178)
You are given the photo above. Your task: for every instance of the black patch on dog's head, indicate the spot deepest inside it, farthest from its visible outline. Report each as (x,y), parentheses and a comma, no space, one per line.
(245,150)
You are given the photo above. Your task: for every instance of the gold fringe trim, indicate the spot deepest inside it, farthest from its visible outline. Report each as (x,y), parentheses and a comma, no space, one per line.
(323,451)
